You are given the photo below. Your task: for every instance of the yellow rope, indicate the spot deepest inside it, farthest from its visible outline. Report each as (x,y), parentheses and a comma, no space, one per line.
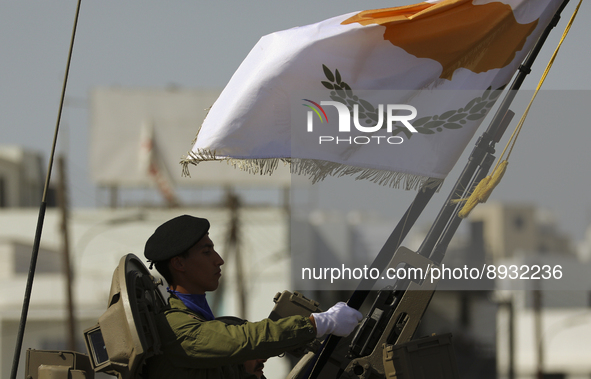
(483,190)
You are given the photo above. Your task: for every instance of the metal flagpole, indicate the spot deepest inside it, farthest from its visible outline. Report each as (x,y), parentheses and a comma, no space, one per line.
(447,222)
(41,217)
(481,159)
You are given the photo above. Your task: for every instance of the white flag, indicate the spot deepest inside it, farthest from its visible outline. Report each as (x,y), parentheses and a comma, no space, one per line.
(416,81)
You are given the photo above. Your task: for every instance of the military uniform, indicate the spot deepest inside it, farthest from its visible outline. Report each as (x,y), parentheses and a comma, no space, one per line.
(196,348)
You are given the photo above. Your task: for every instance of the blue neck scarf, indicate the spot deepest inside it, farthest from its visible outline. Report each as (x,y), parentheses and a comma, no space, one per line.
(196,303)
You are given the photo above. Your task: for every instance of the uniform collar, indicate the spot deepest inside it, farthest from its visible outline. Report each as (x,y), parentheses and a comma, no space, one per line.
(195,302)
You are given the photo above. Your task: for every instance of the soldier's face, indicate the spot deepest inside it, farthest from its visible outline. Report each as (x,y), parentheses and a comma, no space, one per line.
(203,266)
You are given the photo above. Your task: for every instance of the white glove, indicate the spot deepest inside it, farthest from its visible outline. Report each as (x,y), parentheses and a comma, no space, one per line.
(339,320)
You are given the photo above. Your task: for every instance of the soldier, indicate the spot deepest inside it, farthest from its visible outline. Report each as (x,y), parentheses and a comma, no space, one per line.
(194,344)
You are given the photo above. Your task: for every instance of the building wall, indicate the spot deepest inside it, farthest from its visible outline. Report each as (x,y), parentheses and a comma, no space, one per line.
(514,228)
(566,341)
(21,177)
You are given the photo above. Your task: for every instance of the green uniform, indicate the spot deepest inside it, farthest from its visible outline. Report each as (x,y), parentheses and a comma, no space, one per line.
(196,348)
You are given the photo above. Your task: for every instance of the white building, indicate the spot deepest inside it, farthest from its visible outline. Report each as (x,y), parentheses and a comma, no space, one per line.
(510,228)
(543,321)
(21,177)
(545,325)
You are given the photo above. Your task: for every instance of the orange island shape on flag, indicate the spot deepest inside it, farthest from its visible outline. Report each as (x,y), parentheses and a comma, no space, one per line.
(489,32)
(446,59)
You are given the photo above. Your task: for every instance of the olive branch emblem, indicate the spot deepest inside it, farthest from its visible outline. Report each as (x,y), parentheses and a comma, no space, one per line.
(475,109)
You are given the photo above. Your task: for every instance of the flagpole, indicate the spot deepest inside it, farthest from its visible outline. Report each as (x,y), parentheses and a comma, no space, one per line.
(447,221)
(445,225)
(380,262)
(42,208)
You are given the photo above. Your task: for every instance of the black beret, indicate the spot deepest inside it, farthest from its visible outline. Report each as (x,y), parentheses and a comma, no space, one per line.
(174,237)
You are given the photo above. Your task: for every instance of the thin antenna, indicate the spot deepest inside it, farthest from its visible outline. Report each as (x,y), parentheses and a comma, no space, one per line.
(41,218)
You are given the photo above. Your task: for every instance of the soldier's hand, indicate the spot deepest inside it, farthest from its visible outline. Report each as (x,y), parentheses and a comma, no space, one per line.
(339,320)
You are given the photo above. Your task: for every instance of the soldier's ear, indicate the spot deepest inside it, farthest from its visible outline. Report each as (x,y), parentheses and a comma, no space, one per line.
(177,263)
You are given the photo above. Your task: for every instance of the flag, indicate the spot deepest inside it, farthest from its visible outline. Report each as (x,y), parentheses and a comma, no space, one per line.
(416,82)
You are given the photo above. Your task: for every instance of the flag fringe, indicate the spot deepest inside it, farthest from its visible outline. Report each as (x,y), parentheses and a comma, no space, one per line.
(316,170)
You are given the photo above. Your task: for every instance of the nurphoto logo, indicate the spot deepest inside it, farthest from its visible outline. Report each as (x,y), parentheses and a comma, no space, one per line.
(344,121)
